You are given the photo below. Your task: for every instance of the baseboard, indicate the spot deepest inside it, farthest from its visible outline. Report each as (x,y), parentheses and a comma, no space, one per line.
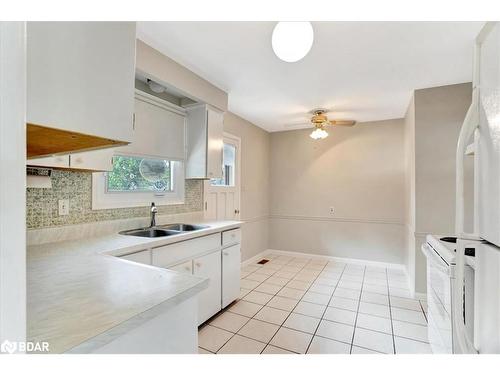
(331,258)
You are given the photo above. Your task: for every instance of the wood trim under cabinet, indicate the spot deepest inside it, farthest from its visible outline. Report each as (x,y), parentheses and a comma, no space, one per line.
(45,141)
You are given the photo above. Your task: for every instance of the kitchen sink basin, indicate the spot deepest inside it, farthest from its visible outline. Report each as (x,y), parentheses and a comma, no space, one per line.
(183,227)
(150,232)
(163,230)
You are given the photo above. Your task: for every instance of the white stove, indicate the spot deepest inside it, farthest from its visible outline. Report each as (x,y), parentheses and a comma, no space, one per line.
(445,246)
(440,251)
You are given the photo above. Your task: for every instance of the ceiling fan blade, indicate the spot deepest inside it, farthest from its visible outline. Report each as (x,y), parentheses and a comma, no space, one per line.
(342,122)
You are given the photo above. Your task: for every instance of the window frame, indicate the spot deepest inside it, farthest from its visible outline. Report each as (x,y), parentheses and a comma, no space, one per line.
(234,142)
(102,199)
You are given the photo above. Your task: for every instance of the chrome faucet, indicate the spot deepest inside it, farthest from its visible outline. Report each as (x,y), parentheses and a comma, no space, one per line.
(154,210)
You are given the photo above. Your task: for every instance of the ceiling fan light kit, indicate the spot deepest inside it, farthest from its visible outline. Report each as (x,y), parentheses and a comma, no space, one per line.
(318,133)
(320,120)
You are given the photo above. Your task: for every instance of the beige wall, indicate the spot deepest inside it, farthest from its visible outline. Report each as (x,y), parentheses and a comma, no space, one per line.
(360,172)
(433,124)
(255,171)
(255,143)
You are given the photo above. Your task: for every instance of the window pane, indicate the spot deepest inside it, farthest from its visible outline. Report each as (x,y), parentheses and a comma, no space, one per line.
(228,166)
(132,173)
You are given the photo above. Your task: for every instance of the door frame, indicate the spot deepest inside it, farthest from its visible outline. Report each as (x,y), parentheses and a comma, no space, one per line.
(237,140)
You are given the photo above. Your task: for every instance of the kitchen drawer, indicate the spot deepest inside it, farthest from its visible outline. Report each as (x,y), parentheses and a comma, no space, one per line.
(231,237)
(185,267)
(143,257)
(164,256)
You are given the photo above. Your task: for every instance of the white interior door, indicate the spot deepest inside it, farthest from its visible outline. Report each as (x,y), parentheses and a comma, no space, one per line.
(222,195)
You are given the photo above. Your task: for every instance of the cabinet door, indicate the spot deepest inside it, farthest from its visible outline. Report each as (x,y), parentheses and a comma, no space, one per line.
(231,264)
(215,143)
(100,160)
(81,76)
(143,257)
(59,161)
(159,130)
(186,267)
(209,300)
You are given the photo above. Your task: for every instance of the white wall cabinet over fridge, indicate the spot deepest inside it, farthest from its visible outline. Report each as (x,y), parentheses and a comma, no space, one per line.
(204,141)
(80,77)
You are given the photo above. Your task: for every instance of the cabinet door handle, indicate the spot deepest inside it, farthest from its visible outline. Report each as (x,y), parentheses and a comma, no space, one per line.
(225,253)
(197,264)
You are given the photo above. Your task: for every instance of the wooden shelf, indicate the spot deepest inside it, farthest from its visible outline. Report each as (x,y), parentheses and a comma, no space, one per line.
(45,141)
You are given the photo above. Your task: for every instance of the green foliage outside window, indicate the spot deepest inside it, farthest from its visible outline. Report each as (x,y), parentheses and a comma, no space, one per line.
(139,174)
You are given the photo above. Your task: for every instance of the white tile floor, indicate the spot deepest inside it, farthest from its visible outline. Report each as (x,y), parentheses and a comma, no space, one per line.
(294,305)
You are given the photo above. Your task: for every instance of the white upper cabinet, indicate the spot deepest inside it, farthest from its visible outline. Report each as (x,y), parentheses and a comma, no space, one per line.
(98,160)
(159,129)
(80,77)
(204,141)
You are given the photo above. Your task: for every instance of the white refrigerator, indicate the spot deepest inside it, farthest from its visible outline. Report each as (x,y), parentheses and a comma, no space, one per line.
(480,135)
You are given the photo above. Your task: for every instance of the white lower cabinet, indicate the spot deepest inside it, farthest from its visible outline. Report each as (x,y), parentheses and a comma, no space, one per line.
(209,300)
(231,263)
(185,267)
(220,264)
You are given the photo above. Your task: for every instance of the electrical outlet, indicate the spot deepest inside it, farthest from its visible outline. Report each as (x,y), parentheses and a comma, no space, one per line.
(332,210)
(63,207)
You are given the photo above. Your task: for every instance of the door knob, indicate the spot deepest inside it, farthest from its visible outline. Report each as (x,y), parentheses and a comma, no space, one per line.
(236,212)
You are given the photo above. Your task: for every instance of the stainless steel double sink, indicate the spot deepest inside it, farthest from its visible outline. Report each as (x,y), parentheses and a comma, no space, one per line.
(163,230)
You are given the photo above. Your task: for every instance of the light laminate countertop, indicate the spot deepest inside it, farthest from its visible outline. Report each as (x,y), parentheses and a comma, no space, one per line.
(79,291)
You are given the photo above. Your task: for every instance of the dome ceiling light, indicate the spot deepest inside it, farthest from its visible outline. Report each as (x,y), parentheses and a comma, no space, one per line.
(155,87)
(292,41)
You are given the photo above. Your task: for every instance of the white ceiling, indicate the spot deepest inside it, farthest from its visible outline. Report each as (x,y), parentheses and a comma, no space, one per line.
(361,70)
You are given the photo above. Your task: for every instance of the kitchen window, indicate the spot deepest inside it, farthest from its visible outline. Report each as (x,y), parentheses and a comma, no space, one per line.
(228,167)
(137,181)
(137,174)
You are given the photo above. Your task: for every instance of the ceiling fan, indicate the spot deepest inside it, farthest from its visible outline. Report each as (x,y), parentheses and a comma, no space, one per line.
(319,120)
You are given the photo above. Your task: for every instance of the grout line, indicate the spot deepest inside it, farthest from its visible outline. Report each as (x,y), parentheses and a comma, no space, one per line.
(263,307)
(423,311)
(326,308)
(302,268)
(357,312)
(290,312)
(390,315)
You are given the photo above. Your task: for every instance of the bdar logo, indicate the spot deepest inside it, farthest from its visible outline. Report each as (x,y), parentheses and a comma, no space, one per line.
(8,347)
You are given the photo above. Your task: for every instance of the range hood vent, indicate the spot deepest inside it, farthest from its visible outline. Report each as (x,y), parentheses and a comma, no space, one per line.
(45,141)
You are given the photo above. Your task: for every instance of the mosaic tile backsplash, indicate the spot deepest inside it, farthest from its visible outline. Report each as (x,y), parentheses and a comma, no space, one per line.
(42,204)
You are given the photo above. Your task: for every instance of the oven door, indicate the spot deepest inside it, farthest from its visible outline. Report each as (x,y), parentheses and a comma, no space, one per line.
(439,302)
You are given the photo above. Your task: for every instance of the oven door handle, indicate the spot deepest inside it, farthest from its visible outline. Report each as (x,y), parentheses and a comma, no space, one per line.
(435,259)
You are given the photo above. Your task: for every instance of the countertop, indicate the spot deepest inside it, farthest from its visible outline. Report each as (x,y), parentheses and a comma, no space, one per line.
(78,290)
